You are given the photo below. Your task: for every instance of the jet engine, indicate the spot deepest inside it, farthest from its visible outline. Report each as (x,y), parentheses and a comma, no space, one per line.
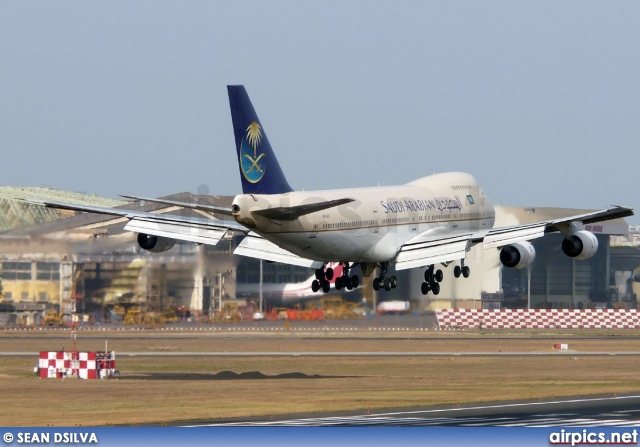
(580,245)
(518,255)
(155,244)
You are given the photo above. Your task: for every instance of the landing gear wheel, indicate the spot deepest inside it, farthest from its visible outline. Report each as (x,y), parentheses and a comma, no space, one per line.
(435,288)
(424,288)
(466,271)
(326,286)
(439,275)
(349,283)
(376,284)
(394,282)
(315,285)
(456,271)
(329,273)
(427,274)
(387,284)
(339,283)
(355,281)
(319,274)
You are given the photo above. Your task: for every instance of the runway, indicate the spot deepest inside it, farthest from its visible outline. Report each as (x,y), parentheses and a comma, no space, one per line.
(620,411)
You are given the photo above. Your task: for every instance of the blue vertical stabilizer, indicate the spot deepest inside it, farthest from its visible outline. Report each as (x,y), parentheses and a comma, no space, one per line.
(259,168)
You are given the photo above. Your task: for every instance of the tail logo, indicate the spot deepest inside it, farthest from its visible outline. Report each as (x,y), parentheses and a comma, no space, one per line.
(252,164)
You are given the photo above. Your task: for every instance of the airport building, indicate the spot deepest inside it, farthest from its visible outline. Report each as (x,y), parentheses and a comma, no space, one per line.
(86,263)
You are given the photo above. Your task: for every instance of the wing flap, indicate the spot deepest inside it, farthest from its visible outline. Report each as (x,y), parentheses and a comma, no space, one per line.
(254,246)
(502,237)
(421,253)
(200,234)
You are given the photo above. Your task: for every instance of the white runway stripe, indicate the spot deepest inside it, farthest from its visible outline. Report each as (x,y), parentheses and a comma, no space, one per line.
(376,420)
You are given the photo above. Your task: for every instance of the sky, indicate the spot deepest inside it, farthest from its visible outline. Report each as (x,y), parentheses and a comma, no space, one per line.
(540,101)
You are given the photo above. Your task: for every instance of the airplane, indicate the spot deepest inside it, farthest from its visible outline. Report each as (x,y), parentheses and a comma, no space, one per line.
(433,220)
(289,294)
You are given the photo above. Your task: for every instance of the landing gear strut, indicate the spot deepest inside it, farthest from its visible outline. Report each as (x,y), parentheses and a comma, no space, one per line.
(382,282)
(432,280)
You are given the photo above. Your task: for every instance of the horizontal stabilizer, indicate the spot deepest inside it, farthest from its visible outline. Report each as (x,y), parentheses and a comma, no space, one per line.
(193,206)
(200,234)
(294,212)
(254,246)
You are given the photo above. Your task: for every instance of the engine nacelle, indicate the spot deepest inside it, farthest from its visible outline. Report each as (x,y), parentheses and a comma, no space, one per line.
(518,255)
(155,244)
(580,245)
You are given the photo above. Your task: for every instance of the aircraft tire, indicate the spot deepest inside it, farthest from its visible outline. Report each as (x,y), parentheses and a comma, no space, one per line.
(387,284)
(376,284)
(326,286)
(424,288)
(466,271)
(394,282)
(456,271)
(339,283)
(315,285)
(329,274)
(355,281)
(319,274)
(439,276)
(435,288)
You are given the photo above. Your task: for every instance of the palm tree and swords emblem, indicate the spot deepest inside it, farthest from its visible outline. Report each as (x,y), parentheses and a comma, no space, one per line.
(250,161)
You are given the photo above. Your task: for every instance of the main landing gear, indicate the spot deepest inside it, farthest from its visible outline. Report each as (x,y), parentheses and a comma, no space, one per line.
(345,281)
(432,280)
(381,282)
(324,277)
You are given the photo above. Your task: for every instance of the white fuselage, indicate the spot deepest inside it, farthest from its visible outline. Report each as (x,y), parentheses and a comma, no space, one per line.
(377,223)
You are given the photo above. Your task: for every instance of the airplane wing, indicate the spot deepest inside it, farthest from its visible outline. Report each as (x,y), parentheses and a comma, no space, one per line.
(293,212)
(193,206)
(255,246)
(431,248)
(198,230)
(192,229)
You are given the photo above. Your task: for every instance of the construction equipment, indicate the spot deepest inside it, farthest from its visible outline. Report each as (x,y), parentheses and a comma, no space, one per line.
(53,318)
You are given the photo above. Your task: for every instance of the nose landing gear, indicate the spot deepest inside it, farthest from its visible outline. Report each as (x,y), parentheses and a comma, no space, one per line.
(458,269)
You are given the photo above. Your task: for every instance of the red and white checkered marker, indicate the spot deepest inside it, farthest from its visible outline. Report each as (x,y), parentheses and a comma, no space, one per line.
(84,365)
(538,318)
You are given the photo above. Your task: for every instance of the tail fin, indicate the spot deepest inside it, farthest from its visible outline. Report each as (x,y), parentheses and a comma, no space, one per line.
(259,168)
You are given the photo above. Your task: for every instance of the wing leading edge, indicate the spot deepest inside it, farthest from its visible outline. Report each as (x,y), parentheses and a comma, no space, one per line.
(429,248)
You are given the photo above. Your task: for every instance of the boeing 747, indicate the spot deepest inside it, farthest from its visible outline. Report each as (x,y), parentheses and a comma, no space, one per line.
(429,222)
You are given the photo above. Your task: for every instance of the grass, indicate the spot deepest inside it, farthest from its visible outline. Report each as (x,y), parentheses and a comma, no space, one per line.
(157,390)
